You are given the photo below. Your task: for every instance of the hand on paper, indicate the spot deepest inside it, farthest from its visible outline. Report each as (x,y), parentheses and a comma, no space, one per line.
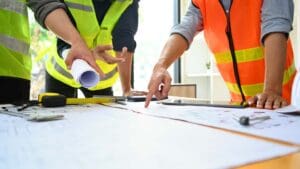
(79,50)
(159,84)
(267,100)
(100,52)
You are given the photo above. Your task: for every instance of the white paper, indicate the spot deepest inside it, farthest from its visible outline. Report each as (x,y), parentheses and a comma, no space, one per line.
(294,108)
(94,136)
(291,109)
(296,91)
(82,72)
(280,126)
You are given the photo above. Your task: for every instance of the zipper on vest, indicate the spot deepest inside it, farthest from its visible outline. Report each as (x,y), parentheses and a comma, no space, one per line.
(232,50)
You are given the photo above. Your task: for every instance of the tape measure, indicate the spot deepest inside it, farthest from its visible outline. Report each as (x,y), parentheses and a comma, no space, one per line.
(58,100)
(52,99)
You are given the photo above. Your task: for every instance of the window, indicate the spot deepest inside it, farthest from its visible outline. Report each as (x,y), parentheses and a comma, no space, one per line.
(155,23)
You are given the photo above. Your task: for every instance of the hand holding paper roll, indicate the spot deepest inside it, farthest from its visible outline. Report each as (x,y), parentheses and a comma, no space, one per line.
(86,75)
(82,72)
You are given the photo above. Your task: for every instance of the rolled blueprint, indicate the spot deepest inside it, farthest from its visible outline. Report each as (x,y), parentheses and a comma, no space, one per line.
(82,72)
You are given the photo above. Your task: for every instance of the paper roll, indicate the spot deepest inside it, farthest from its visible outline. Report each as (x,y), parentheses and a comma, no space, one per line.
(82,72)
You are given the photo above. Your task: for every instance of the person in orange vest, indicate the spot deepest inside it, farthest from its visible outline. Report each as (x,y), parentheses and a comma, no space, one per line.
(250,43)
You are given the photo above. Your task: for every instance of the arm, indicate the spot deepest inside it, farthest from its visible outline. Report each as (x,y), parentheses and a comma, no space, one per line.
(182,35)
(124,44)
(275,47)
(277,18)
(160,80)
(125,70)
(69,34)
(59,23)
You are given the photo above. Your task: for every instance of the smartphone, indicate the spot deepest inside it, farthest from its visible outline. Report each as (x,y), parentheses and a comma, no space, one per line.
(193,102)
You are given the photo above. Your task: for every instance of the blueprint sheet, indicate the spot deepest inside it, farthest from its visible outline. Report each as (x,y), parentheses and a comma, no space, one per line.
(283,127)
(96,136)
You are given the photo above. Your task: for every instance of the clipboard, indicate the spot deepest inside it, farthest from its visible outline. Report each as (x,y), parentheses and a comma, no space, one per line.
(194,102)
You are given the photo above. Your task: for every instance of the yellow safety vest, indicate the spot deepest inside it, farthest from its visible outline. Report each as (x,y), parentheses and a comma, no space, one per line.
(15,60)
(87,24)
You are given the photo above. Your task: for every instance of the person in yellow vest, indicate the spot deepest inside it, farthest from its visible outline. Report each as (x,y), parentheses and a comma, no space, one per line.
(250,43)
(15,60)
(90,29)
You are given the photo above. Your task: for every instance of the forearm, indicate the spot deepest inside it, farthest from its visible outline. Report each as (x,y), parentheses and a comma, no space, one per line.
(172,50)
(275,54)
(125,71)
(62,27)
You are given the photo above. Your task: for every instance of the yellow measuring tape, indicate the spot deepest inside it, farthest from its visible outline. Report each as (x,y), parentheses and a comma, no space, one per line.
(56,100)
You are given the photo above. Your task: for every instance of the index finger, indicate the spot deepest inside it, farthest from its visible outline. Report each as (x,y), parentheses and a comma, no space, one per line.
(152,89)
(102,48)
(112,60)
(148,99)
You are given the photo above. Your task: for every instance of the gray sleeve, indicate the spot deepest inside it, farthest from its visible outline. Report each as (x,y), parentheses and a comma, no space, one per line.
(41,8)
(190,24)
(277,16)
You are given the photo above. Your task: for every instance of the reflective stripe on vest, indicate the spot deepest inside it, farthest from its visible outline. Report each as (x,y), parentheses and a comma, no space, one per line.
(69,75)
(245,31)
(79,6)
(15,60)
(14,6)
(94,35)
(14,44)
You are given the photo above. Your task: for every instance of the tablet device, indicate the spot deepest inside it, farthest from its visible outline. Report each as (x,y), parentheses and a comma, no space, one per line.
(191,102)
(138,98)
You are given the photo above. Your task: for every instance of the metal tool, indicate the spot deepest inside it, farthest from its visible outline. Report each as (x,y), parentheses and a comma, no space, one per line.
(32,116)
(246,120)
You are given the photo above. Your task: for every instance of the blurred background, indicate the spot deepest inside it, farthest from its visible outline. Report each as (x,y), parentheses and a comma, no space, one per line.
(155,22)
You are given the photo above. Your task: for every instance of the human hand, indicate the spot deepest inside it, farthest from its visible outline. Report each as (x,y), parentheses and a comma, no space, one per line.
(159,84)
(79,50)
(100,53)
(267,100)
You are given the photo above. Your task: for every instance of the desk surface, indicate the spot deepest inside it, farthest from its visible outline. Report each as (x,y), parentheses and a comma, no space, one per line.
(112,138)
(291,161)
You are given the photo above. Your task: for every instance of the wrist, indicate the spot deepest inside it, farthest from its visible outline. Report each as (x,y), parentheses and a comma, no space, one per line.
(160,65)
(277,89)
(75,41)
(126,91)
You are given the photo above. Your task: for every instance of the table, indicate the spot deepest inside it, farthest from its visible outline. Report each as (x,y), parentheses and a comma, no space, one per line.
(106,137)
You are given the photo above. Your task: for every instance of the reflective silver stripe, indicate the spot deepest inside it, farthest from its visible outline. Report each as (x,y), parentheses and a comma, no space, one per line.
(13,5)
(79,6)
(62,71)
(111,73)
(14,44)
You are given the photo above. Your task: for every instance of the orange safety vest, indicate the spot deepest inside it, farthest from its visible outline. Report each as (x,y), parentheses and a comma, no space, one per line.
(234,38)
